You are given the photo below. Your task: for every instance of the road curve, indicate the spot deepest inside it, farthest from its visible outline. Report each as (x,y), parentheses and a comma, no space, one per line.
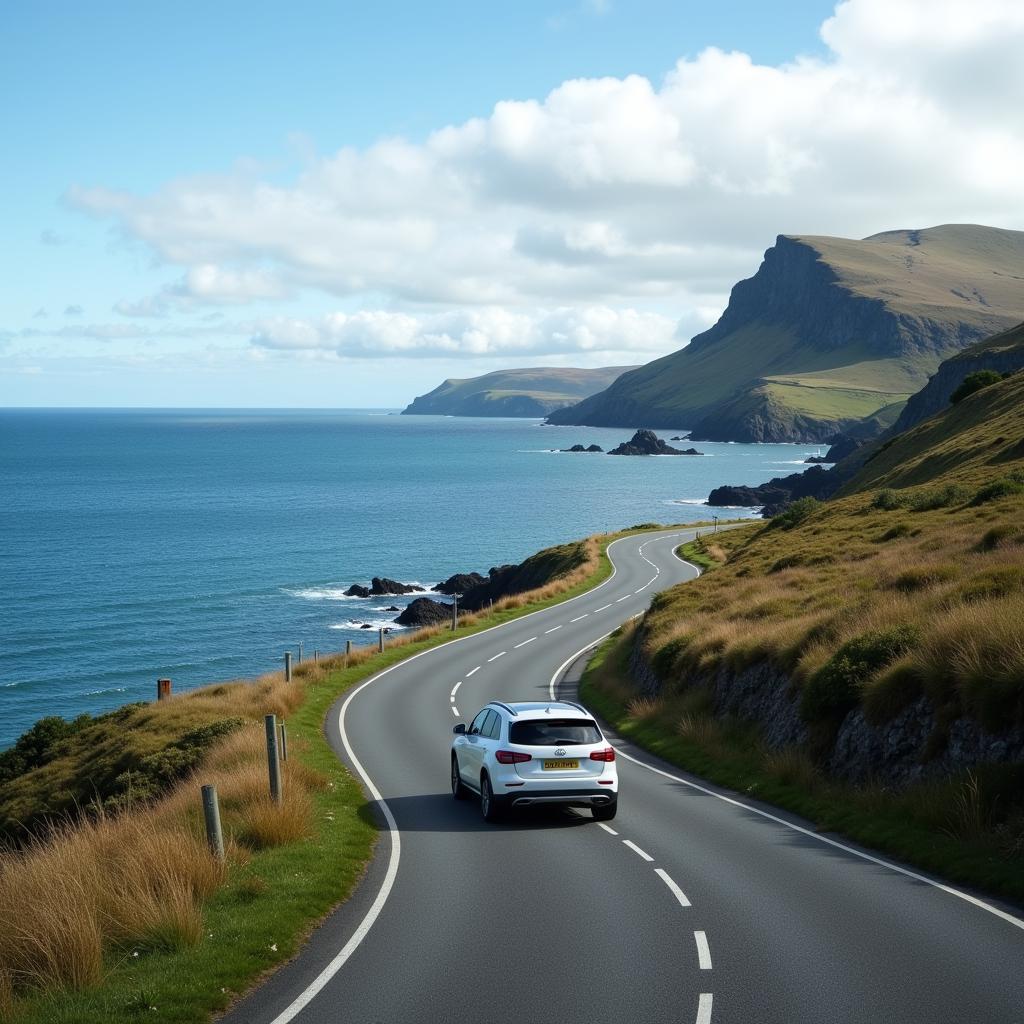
(687,907)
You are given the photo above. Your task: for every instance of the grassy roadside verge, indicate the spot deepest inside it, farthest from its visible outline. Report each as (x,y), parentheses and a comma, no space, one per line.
(273,894)
(937,827)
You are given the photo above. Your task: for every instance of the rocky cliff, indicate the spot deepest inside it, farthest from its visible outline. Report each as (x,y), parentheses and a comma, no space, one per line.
(1003,353)
(828,332)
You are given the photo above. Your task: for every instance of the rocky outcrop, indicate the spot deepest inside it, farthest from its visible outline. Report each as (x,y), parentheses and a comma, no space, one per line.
(581,448)
(425,611)
(460,583)
(357,591)
(815,482)
(912,747)
(645,442)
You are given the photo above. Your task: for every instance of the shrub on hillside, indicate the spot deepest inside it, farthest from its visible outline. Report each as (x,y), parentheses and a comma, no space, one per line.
(835,688)
(889,500)
(1004,487)
(795,513)
(37,745)
(974,382)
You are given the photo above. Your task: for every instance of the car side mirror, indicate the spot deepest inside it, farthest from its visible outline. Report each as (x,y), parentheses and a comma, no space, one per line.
(460,728)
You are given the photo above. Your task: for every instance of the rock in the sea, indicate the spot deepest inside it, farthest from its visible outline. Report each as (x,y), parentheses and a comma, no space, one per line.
(392,608)
(425,611)
(678,438)
(366,625)
(459,583)
(814,460)
(645,442)
(357,591)
(581,448)
(594,448)
(381,585)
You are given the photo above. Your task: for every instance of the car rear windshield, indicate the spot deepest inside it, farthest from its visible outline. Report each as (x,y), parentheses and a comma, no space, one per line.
(548,732)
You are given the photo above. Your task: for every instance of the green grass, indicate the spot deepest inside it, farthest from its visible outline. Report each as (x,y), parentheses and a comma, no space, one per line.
(956,829)
(272,901)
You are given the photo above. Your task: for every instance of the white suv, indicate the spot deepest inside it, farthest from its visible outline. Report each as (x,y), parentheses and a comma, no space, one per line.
(515,755)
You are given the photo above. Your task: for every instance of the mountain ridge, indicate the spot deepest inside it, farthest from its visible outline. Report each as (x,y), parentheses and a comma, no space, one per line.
(527,392)
(827,333)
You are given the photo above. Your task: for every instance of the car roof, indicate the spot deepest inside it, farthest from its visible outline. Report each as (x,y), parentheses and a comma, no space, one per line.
(562,708)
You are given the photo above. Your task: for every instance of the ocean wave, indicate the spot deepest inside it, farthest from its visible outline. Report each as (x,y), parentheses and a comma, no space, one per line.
(321,594)
(356,624)
(687,501)
(108,689)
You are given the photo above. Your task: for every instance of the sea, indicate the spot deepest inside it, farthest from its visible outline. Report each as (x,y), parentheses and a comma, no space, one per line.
(200,545)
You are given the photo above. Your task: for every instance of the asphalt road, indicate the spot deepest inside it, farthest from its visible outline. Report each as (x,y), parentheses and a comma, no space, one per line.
(692,905)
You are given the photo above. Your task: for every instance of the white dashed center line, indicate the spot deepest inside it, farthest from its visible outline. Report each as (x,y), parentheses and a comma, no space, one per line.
(524,643)
(608,829)
(636,849)
(455,689)
(676,891)
(703,952)
(471,671)
(602,608)
(455,711)
(553,628)
(578,617)
(704,1008)
(621,599)
(501,654)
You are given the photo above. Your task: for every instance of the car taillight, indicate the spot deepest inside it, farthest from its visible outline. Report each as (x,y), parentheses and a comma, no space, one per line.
(608,754)
(512,756)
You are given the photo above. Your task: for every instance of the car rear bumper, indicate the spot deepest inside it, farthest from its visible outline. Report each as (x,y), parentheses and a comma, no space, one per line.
(589,797)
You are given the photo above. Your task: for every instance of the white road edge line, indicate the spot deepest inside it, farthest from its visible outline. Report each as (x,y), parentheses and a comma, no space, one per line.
(959,894)
(636,849)
(497,656)
(704,1008)
(676,891)
(703,952)
(608,829)
(307,995)
(471,671)
(524,643)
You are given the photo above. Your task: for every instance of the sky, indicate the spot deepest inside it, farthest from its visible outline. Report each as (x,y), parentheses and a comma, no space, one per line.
(341,205)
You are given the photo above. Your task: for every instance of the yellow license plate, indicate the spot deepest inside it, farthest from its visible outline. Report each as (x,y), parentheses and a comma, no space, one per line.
(560,766)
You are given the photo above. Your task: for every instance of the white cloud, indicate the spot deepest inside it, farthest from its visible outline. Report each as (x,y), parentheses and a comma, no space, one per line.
(613,192)
(473,332)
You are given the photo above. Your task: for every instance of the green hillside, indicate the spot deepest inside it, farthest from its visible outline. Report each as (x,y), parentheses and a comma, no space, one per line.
(530,392)
(861,660)
(828,332)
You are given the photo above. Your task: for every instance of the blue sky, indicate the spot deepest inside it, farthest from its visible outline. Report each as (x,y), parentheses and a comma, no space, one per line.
(204,203)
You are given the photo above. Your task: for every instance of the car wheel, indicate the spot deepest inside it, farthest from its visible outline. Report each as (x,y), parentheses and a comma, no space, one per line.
(489,805)
(459,790)
(606,811)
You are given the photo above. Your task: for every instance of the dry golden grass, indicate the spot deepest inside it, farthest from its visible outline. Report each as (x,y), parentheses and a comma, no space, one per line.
(793,598)
(263,823)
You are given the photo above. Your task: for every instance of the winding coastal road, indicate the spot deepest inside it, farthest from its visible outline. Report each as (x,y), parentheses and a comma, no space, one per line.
(693,905)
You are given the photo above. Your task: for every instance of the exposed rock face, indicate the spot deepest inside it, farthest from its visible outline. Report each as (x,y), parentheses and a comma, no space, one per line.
(645,442)
(381,586)
(815,482)
(581,448)
(817,460)
(907,299)
(425,611)
(897,753)
(460,583)
(1003,353)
